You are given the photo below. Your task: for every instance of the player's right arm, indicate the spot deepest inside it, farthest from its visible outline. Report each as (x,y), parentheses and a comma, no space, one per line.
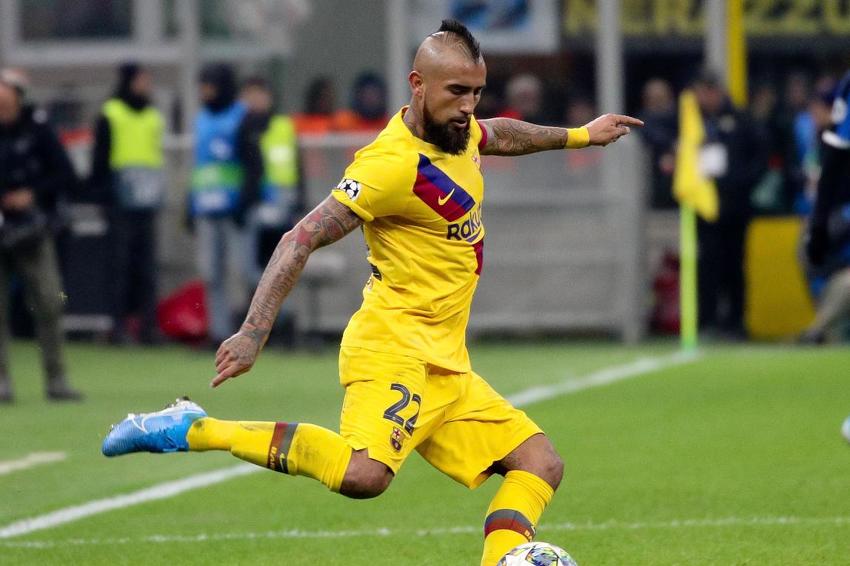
(506,136)
(326,224)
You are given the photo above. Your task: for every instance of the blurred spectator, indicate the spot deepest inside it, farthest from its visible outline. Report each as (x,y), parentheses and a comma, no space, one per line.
(127,171)
(35,177)
(819,108)
(733,155)
(660,127)
(319,108)
(579,111)
(776,190)
(797,94)
(216,205)
(828,238)
(368,105)
(489,105)
(524,94)
(272,191)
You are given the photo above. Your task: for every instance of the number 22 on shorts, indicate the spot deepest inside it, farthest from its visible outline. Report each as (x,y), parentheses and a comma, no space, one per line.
(392,412)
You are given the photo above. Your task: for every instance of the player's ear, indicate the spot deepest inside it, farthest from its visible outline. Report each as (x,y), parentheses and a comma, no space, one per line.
(416,83)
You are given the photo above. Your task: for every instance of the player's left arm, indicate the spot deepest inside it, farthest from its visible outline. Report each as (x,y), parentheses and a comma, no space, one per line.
(506,136)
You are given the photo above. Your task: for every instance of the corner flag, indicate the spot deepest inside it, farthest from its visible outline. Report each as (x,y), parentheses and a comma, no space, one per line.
(690,187)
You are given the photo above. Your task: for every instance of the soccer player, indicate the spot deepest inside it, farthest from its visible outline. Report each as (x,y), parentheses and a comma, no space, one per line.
(416,191)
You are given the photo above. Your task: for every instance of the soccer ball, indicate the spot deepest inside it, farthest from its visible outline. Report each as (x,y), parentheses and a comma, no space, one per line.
(845,429)
(537,554)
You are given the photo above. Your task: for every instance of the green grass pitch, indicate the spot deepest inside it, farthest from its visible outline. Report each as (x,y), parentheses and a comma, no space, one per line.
(735,458)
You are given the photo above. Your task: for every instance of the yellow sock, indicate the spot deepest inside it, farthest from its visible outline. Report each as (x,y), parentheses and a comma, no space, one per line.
(297,449)
(513,514)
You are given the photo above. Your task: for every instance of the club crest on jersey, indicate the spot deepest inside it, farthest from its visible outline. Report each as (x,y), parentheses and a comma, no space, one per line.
(396,439)
(349,187)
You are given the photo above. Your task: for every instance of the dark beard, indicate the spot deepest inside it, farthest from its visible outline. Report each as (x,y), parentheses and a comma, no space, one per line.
(445,136)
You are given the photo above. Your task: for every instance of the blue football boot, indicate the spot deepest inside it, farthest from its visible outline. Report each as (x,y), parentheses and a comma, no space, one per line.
(162,431)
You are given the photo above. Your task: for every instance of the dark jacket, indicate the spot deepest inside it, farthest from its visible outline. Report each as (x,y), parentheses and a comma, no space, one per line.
(659,132)
(250,154)
(31,156)
(746,153)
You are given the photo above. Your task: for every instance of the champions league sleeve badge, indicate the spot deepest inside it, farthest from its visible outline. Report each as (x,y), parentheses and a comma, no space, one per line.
(350,187)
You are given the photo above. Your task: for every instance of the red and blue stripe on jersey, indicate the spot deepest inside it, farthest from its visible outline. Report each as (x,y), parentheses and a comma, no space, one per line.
(438,191)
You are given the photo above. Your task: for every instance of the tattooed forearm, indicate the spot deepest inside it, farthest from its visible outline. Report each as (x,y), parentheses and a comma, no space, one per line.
(515,137)
(327,223)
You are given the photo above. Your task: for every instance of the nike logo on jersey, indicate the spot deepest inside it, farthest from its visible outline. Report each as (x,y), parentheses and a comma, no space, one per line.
(441,193)
(443,200)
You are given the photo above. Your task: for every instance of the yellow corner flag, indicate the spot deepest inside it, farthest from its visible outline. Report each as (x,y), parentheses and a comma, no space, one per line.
(690,187)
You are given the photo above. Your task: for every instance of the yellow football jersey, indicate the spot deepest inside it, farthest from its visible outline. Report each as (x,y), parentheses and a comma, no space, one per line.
(423,227)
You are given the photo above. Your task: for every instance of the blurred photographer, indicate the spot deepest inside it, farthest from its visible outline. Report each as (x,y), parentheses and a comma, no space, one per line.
(35,173)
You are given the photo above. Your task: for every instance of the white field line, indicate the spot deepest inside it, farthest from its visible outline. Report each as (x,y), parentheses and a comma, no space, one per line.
(158,491)
(599,378)
(724,522)
(172,488)
(30,461)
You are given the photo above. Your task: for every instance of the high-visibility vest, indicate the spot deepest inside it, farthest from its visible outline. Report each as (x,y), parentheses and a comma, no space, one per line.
(218,174)
(136,135)
(135,155)
(279,148)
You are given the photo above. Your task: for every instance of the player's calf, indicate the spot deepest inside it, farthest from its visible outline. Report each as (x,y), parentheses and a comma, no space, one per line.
(532,472)
(296,449)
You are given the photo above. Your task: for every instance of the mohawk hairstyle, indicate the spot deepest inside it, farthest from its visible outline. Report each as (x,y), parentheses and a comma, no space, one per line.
(460,30)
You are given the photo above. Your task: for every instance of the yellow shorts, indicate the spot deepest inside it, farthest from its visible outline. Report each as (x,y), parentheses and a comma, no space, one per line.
(456,421)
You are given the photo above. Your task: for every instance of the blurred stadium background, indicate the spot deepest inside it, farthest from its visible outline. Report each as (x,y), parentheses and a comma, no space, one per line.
(601,221)
(581,246)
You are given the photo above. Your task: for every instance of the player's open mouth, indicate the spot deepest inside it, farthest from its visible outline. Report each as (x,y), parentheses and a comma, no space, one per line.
(459,123)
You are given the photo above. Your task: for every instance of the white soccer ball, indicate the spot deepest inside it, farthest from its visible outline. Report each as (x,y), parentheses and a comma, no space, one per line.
(845,429)
(537,554)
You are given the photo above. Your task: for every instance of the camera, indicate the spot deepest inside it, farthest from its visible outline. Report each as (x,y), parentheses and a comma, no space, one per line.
(22,229)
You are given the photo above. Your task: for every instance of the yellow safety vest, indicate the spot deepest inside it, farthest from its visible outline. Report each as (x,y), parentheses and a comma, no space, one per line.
(136,135)
(280,152)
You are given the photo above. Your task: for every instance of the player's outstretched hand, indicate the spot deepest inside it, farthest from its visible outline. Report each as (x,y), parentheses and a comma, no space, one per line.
(610,127)
(235,356)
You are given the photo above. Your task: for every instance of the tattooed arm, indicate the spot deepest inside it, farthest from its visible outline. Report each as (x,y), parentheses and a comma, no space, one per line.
(326,224)
(506,136)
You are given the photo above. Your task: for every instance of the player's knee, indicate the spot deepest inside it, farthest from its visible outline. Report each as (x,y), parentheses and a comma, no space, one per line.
(537,456)
(365,478)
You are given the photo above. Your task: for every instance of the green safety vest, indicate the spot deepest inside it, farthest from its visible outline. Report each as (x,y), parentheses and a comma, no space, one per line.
(136,135)
(280,152)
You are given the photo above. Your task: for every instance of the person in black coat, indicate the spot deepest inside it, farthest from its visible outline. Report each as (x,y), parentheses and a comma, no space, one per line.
(659,133)
(734,156)
(35,177)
